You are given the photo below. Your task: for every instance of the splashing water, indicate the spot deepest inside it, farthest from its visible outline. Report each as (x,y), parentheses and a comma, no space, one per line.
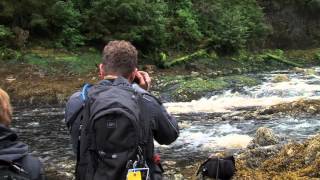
(203,133)
(299,86)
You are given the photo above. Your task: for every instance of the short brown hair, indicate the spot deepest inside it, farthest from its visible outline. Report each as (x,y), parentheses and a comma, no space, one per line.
(120,57)
(5,108)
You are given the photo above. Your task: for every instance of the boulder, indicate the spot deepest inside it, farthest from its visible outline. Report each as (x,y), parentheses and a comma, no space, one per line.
(195,74)
(309,72)
(312,151)
(264,137)
(298,70)
(280,78)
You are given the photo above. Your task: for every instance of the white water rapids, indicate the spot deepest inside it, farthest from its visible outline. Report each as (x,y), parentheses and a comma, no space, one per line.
(298,87)
(204,135)
(202,130)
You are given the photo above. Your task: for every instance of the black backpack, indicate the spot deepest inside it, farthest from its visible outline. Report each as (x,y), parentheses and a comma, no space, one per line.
(218,167)
(111,140)
(12,171)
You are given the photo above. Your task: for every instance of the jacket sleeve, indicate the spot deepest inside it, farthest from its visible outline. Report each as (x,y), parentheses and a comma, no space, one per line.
(165,128)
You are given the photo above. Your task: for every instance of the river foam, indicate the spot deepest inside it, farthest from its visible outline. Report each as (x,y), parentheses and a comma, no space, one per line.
(299,86)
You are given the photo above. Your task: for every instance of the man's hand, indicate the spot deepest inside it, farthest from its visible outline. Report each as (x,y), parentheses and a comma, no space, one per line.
(144,80)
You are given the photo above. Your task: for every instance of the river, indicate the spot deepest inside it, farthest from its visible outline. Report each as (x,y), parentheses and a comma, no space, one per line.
(205,127)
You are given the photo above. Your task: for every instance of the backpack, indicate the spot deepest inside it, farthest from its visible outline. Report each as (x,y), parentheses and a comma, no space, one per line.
(218,167)
(12,171)
(74,115)
(111,137)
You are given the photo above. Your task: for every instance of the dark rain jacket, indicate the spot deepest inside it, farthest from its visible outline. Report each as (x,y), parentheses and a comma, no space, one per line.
(163,127)
(12,150)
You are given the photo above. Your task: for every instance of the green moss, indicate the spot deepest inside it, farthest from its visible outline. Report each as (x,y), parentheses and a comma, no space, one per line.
(201,85)
(60,62)
(186,88)
(241,80)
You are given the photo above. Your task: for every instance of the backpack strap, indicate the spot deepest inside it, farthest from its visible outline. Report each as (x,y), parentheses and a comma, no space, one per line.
(13,167)
(202,165)
(84,91)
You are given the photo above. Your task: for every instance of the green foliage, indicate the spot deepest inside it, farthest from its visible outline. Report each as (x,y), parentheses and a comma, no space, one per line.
(166,26)
(317,56)
(9,54)
(65,17)
(314,6)
(138,21)
(184,25)
(57,62)
(231,25)
(5,35)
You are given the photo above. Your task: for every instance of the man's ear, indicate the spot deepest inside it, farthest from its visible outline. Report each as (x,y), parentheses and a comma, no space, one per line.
(132,76)
(102,72)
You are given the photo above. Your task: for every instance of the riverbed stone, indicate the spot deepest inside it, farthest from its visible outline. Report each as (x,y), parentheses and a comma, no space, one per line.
(195,74)
(178,177)
(298,70)
(264,137)
(254,157)
(280,78)
(310,72)
(312,151)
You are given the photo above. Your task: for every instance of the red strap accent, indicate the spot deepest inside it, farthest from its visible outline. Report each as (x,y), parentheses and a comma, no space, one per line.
(156,158)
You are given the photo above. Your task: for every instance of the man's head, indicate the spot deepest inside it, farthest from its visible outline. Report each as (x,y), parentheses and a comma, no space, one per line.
(120,58)
(5,108)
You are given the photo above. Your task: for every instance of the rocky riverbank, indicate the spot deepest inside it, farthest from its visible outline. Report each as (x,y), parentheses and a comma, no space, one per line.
(267,156)
(49,76)
(295,160)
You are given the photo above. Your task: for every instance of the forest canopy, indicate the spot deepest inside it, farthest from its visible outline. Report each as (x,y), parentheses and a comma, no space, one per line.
(153,26)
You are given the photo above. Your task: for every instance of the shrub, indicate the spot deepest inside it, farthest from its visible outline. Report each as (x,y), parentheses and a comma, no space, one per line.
(231,25)
(5,35)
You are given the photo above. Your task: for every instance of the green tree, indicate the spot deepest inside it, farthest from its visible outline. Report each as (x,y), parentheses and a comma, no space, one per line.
(65,20)
(231,25)
(183,23)
(138,21)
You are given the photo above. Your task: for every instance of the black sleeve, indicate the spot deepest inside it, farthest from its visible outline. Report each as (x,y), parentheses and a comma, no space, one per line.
(165,128)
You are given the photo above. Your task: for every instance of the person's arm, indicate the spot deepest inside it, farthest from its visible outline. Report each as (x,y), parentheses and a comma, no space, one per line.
(165,128)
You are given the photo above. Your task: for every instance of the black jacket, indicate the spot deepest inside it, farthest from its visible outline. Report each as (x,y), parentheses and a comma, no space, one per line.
(12,150)
(162,127)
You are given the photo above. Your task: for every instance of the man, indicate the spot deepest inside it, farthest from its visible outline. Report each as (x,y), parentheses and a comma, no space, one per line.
(15,161)
(118,71)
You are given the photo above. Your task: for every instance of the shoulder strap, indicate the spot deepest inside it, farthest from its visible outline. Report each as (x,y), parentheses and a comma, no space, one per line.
(13,167)
(202,165)
(84,91)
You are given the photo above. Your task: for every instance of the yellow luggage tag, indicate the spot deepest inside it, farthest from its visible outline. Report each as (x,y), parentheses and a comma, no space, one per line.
(134,175)
(138,174)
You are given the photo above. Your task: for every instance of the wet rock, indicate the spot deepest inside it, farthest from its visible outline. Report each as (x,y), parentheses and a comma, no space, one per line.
(310,72)
(298,70)
(184,125)
(10,79)
(280,78)
(312,151)
(296,108)
(254,157)
(195,74)
(237,71)
(264,137)
(291,161)
(212,74)
(178,177)
(219,73)
(169,163)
